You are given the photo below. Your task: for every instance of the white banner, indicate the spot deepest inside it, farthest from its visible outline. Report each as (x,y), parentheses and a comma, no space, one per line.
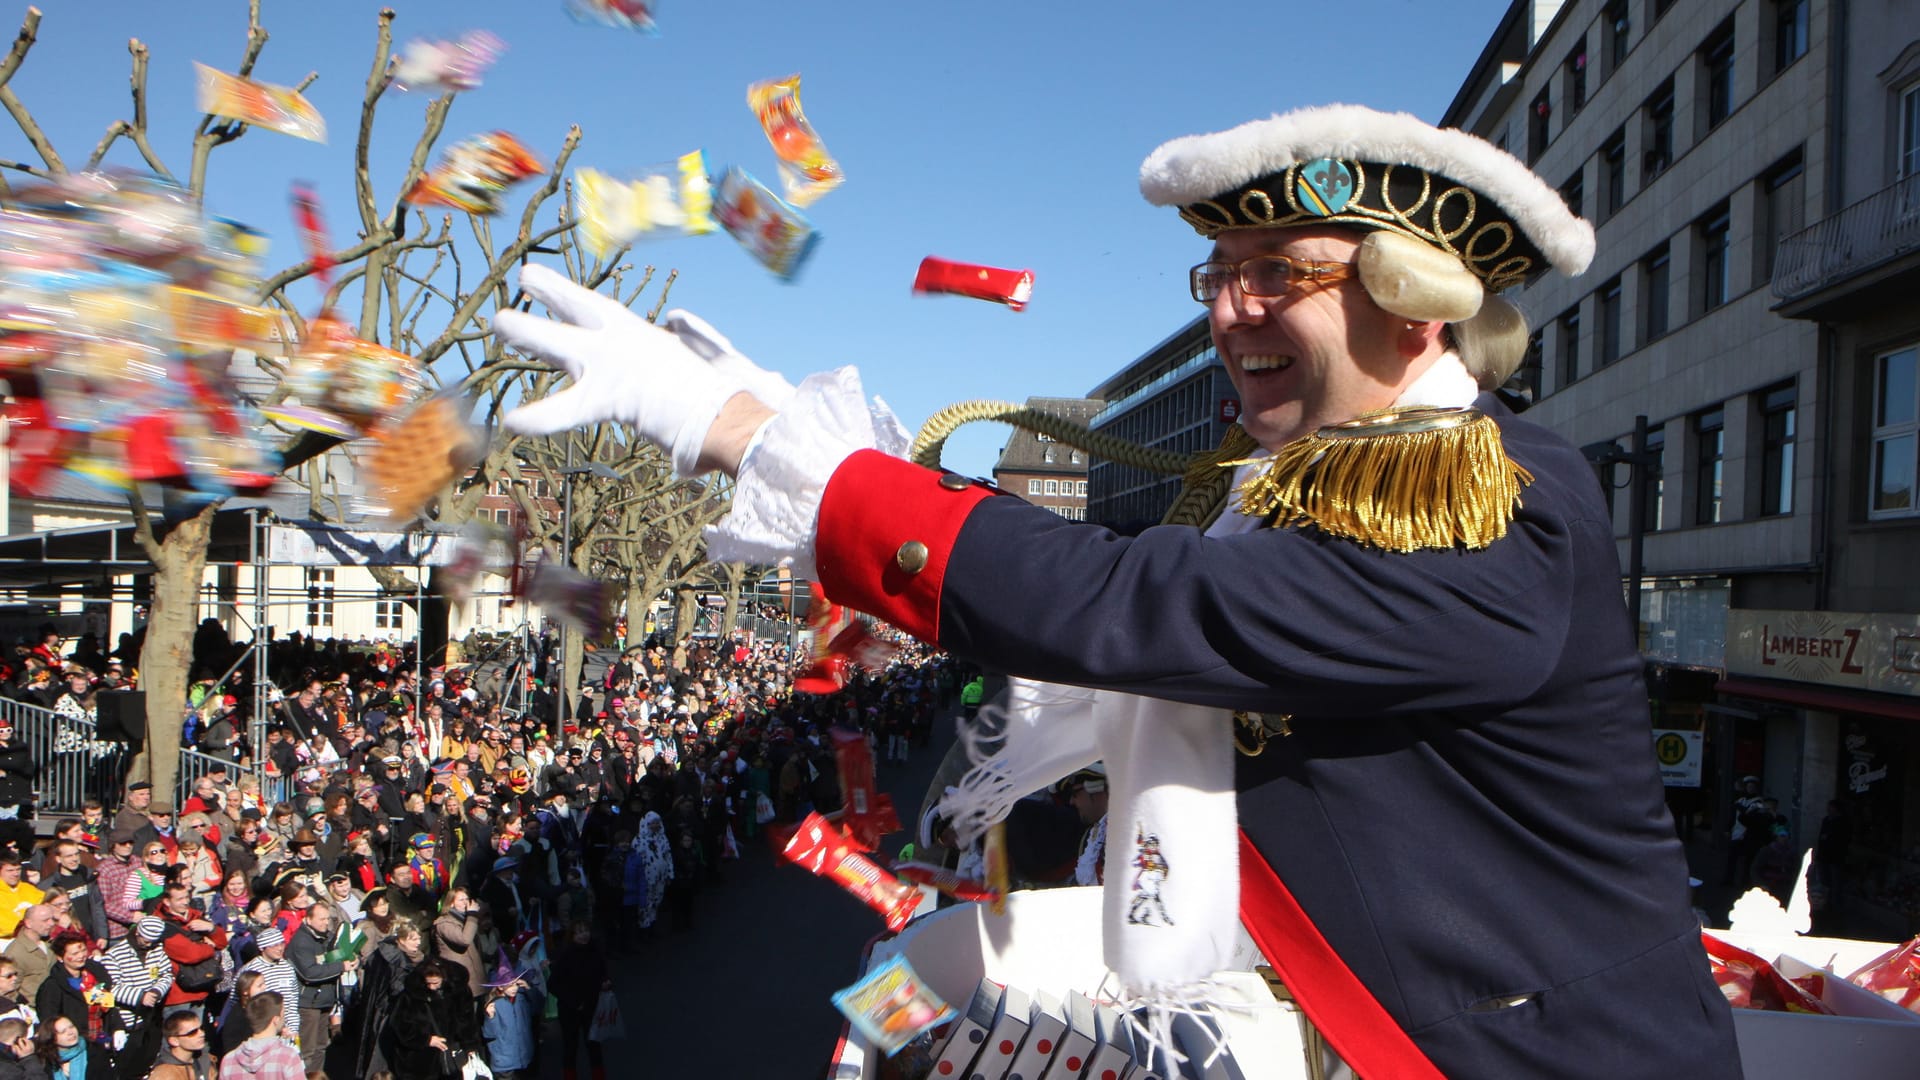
(327,545)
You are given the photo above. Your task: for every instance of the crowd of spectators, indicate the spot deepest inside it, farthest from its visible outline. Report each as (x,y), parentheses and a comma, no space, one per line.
(419,871)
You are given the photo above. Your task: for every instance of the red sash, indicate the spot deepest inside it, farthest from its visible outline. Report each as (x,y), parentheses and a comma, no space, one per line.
(1331,995)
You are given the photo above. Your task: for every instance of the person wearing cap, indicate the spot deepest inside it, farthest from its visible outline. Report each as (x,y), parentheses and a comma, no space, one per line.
(142,975)
(340,893)
(1377,525)
(132,815)
(276,975)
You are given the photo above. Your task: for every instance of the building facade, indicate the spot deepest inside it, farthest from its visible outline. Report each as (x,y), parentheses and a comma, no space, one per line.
(1043,470)
(1744,164)
(1176,396)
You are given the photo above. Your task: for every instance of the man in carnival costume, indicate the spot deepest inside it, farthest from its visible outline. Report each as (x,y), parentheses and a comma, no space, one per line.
(1451,841)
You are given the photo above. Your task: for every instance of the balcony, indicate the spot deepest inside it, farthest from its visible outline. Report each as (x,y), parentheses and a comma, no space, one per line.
(1850,261)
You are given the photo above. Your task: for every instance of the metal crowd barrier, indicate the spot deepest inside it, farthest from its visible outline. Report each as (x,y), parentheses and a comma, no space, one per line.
(75,764)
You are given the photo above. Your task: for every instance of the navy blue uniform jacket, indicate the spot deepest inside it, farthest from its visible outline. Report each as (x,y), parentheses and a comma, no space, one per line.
(1468,806)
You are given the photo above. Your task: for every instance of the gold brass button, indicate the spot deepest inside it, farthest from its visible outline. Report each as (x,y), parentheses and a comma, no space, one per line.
(954,482)
(912,557)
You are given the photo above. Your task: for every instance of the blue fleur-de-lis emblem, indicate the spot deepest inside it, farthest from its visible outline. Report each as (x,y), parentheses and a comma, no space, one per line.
(1323,187)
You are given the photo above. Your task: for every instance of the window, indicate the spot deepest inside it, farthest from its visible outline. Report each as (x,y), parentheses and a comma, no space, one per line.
(1532,365)
(503,517)
(1789,32)
(1575,67)
(1716,75)
(386,614)
(1537,118)
(1776,450)
(1710,449)
(1611,313)
(1895,434)
(1033,487)
(1052,487)
(1712,234)
(1574,191)
(319,597)
(1079,487)
(1569,368)
(1656,486)
(1656,291)
(1661,7)
(1659,134)
(1909,159)
(1619,27)
(1613,175)
(1782,209)
(539,489)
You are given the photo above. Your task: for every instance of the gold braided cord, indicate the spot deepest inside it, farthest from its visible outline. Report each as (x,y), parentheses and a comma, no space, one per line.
(1208,476)
(1403,485)
(933,435)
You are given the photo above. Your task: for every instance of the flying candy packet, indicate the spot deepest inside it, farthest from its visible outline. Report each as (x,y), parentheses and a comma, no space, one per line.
(479,549)
(807,171)
(822,849)
(345,384)
(624,14)
(944,880)
(1010,287)
(890,1005)
(121,305)
(276,108)
(445,67)
(476,173)
(866,812)
(313,232)
(416,457)
(774,233)
(570,597)
(613,213)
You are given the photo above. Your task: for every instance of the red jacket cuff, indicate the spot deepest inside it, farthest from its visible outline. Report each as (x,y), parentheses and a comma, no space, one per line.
(886,530)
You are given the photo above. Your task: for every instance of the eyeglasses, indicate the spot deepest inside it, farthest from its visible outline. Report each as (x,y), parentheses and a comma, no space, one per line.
(1263,276)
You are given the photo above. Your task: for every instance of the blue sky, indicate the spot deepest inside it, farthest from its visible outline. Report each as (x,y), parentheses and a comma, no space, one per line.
(995,132)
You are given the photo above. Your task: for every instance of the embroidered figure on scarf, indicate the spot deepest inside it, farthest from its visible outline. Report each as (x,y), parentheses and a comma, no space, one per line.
(1151,873)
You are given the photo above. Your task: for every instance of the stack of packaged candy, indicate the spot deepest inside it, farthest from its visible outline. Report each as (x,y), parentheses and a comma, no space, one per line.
(624,14)
(1752,983)
(447,67)
(1894,976)
(476,173)
(614,213)
(121,305)
(276,108)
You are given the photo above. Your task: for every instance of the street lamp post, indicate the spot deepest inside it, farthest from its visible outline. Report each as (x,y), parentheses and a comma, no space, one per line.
(1605,455)
(601,470)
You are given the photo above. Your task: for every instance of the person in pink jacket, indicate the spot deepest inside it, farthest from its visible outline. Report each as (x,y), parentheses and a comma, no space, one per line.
(268,1055)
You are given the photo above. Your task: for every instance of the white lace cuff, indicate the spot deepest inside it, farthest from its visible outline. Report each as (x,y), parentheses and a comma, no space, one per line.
(784,473)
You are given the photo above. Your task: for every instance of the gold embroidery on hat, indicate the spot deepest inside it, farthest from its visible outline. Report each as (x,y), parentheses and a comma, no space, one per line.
(1265,217)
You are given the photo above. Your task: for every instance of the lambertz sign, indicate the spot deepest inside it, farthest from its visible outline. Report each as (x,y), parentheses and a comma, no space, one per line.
(1839,648)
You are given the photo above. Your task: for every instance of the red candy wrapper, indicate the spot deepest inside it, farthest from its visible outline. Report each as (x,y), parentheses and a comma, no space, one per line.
(945,880)
(1751,983)
(840,643)
(313,232)
(824,850)
(867,813)
(1894,976)
(1010,287)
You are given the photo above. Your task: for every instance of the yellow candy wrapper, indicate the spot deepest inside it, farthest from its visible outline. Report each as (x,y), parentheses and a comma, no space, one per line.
(277,108)
(807,171)
(614,213)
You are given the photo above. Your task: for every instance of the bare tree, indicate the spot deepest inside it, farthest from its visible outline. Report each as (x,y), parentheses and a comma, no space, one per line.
(424,289)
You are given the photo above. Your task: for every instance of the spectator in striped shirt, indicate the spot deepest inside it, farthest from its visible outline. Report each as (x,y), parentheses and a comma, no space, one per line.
(276,976)
(142,974)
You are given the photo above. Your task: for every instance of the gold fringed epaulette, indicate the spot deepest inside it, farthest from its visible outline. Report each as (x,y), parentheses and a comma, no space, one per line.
(1401,479)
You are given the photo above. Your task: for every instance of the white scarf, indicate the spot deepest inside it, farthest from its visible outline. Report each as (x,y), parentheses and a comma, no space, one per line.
(1172,898)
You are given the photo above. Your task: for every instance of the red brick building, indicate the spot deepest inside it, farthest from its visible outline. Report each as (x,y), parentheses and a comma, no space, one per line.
(1045,472)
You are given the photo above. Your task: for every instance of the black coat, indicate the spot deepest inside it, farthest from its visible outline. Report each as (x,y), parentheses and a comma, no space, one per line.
(1465,806)
(16,788)
(57,997)
(421,1014)
(369,1017)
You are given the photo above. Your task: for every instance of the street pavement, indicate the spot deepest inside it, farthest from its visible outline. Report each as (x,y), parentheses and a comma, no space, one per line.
(745,995)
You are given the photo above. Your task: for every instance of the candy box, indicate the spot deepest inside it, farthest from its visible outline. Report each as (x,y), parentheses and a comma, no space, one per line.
(1864,1036)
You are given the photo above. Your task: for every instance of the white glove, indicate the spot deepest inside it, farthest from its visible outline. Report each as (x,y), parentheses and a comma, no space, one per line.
(772,388)
(623,367)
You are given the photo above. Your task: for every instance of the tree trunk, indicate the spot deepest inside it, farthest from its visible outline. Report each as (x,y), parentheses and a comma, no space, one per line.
(638,605)
(686,610)
(178,567)
(732,575)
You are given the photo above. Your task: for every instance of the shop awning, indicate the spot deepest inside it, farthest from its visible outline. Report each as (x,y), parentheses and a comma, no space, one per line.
(1822,697)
